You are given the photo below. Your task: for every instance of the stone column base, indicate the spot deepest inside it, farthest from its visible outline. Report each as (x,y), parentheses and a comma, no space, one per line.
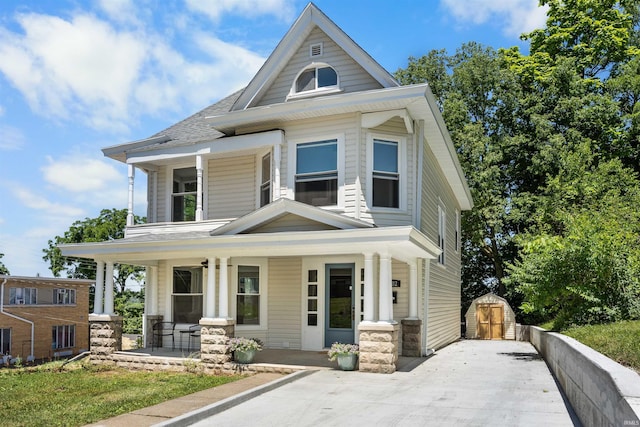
(150,320)
(213,340)
(105,334)
(411,337)
(378,347)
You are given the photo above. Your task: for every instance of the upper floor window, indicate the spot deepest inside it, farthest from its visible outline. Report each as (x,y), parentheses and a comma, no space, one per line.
(316,178)
(187,294)
(265,182)
(22,296)
(317,77)
(386,176)
(386,171)
(184,194)
(64,296)
(442,227)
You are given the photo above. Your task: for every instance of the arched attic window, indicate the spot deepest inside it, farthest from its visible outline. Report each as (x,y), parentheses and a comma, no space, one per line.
(316,78)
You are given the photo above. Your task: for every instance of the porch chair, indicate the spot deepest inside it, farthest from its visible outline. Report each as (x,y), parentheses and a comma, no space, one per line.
(163,329)
(194,332)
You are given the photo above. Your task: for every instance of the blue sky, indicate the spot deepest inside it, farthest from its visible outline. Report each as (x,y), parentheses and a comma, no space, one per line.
(79,75)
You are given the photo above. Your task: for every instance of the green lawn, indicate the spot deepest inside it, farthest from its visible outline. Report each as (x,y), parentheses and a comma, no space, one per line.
(44,396)
(619,341)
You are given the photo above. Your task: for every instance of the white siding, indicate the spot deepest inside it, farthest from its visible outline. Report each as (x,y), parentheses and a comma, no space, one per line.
(162,214)
(353,78)
(232,187)
(443,320)
(284,315)
(394,128)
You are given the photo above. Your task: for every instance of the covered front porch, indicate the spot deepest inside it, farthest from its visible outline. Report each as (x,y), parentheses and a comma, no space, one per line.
(335,279)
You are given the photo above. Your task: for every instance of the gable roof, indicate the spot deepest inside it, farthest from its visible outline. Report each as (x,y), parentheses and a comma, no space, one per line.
(283,207)
(310,18)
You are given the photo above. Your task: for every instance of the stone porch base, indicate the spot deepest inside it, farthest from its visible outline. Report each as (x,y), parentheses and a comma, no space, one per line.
(378,347)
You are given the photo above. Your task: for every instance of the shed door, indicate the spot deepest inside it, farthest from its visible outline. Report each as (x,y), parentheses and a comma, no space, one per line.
(490,321)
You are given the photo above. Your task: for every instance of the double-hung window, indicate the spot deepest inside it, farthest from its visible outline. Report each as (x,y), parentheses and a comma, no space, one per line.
(5,341)
(64,296)
(385,174)
(63,336)
(316,177)
(22,296)
(265,182)
(184,194)
(187,294)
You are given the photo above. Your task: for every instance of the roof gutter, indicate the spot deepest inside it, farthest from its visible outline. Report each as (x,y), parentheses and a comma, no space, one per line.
(16,317)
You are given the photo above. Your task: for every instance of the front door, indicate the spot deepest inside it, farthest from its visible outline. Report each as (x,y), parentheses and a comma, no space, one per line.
(339,308)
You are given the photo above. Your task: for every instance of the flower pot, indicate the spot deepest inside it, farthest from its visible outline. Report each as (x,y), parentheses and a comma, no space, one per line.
(244,356)
(347,362)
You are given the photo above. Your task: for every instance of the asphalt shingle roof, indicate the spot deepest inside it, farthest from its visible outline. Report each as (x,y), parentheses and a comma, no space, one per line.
(195,128)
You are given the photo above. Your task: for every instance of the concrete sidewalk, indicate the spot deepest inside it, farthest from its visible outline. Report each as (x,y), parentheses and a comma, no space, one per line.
(471,383)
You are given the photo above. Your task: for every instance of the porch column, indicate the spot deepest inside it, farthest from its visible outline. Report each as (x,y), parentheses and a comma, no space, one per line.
(210,312)
(108,289)
(413,290)
(223,306)
(368,288)
(97,303)
(385,310)
(199,212)
(151,289)
(132,173)
(277,158)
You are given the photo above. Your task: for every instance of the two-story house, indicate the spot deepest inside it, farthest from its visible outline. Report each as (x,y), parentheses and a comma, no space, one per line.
(321,203)
(43,317)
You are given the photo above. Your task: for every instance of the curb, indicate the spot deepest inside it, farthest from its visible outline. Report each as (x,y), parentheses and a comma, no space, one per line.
(215,408)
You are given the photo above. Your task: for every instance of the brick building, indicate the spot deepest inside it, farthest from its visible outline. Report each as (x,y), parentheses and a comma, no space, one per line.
(43,317)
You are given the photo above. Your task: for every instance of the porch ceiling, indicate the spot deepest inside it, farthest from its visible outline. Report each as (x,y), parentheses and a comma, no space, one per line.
(403,243)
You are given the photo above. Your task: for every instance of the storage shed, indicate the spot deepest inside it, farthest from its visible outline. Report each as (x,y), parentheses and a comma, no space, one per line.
(490,317)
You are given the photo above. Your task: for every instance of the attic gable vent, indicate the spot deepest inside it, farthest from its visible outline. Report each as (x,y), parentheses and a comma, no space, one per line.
(315,50)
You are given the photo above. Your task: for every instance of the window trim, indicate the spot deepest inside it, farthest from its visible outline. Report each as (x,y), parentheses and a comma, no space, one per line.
(169,189)
(293,92)
(69,291)
(457,242)
(262,264)
(442,234)
(33,295)
(172,293)
(292,160)
(3,331)
(402,172)
(67,329)
(259,184)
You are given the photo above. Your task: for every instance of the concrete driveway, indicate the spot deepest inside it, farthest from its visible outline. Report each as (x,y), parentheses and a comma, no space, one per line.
(471,383)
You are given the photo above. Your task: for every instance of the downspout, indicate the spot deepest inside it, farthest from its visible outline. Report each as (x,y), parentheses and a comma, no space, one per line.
(14,316)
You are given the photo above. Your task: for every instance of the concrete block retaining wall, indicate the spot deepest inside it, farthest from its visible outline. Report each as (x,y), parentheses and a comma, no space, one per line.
(601,391)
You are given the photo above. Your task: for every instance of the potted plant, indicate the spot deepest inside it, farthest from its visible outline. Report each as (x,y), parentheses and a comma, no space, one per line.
(244,349)
(345,354)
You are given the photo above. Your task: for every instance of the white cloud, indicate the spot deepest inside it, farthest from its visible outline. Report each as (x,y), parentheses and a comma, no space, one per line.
(10,138)
(78,68)
(214,9)
(39,203)
(84,69)
(519,16)
(80,174)
(121,10)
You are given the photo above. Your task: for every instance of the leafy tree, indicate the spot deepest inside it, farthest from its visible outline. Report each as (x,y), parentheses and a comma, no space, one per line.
(130,305)
(580,264)
(109,225)
(3,268)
